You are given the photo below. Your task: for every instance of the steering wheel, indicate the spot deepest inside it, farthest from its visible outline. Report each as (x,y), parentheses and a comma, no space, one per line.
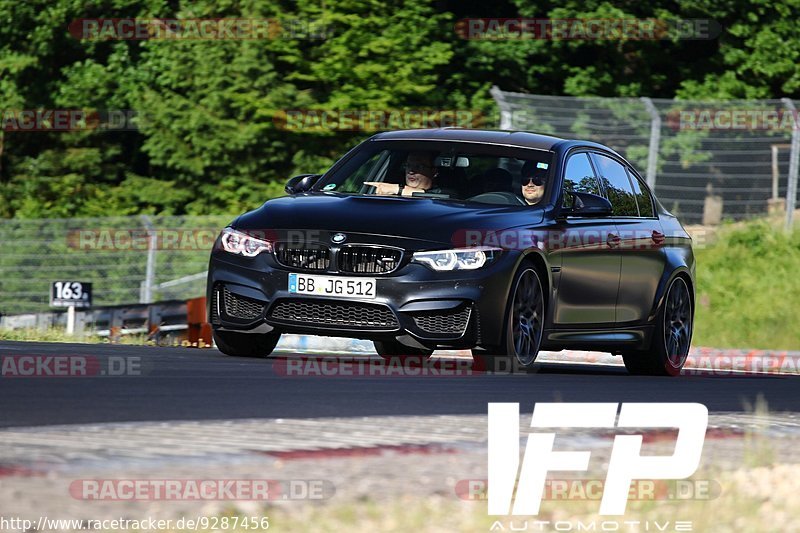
(498,197)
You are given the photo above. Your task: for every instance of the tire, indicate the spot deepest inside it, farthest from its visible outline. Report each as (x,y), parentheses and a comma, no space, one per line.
(672,337)
(523,327)
(246,344)
(395,351)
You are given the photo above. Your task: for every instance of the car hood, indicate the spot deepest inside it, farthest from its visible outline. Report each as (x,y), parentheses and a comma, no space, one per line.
(419,219)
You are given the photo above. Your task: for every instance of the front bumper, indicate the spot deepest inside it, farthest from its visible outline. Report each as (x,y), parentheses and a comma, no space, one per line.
(414,305)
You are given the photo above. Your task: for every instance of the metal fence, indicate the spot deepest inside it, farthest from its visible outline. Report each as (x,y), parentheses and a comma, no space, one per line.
(127,259)
(706,160)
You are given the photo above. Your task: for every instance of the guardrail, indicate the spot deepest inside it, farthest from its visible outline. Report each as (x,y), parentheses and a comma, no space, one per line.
(173,320)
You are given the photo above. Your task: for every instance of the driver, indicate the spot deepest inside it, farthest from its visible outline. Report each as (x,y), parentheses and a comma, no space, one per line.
(533,180)
(419,172)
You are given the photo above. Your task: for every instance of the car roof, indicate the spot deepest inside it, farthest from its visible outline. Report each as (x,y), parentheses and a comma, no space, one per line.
(521,139)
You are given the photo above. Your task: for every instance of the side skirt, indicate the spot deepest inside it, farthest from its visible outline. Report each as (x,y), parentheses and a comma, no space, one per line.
(601,340)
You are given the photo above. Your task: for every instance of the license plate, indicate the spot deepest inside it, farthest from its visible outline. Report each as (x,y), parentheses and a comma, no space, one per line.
(332,286)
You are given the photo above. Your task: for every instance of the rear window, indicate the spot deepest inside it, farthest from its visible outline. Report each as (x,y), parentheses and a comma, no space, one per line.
(643,199)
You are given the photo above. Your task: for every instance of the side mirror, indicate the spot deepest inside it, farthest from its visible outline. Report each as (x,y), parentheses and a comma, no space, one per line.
(588,205)
(301,183)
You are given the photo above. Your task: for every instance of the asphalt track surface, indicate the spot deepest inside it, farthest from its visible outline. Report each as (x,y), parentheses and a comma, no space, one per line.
(191,384)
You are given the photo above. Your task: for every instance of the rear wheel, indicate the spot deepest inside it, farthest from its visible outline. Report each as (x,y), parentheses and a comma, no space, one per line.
(523,328)
(246,344)
(671,339)
(395,351)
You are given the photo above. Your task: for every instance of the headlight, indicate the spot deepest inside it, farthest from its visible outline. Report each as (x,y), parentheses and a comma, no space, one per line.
(237,242)
(458,259)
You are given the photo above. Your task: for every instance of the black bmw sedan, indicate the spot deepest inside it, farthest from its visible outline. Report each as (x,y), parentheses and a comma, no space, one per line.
(505,243)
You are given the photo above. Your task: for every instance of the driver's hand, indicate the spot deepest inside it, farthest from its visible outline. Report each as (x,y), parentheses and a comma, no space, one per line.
(383,188)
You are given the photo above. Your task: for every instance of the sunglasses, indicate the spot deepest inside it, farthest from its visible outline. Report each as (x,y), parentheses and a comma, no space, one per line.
(535,180)
(416,167)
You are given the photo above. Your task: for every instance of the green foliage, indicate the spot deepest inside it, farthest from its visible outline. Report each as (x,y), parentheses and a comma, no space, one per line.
(747,289)
(207,139)
(758,54)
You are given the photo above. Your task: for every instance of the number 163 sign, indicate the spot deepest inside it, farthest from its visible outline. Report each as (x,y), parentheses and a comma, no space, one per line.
(70,294)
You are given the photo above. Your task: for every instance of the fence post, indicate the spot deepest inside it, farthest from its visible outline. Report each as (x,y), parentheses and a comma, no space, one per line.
(655,141)
(146,291)
(71,320)
(506,122)
(794,154)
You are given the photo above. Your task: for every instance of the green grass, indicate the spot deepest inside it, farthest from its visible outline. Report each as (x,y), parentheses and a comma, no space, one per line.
(748,288)
(45,335)
(59,335)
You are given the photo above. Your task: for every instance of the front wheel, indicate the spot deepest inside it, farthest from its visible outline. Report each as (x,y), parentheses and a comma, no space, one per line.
(246,344)
(671,339)
(523,327)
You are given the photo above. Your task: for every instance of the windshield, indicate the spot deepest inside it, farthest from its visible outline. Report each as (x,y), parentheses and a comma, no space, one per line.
(471,172)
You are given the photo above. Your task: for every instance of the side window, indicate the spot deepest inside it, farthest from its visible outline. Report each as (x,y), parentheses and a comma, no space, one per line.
(372,169)
(579,177)
(643,199)
(617,185)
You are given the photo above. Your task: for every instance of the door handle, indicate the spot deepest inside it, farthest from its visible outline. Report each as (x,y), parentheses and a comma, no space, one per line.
(658,237)
(612,240)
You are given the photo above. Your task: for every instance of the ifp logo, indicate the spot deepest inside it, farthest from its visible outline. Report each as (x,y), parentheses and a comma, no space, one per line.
(626,463)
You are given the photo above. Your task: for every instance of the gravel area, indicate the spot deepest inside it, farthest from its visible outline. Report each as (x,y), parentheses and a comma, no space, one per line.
(356,460)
